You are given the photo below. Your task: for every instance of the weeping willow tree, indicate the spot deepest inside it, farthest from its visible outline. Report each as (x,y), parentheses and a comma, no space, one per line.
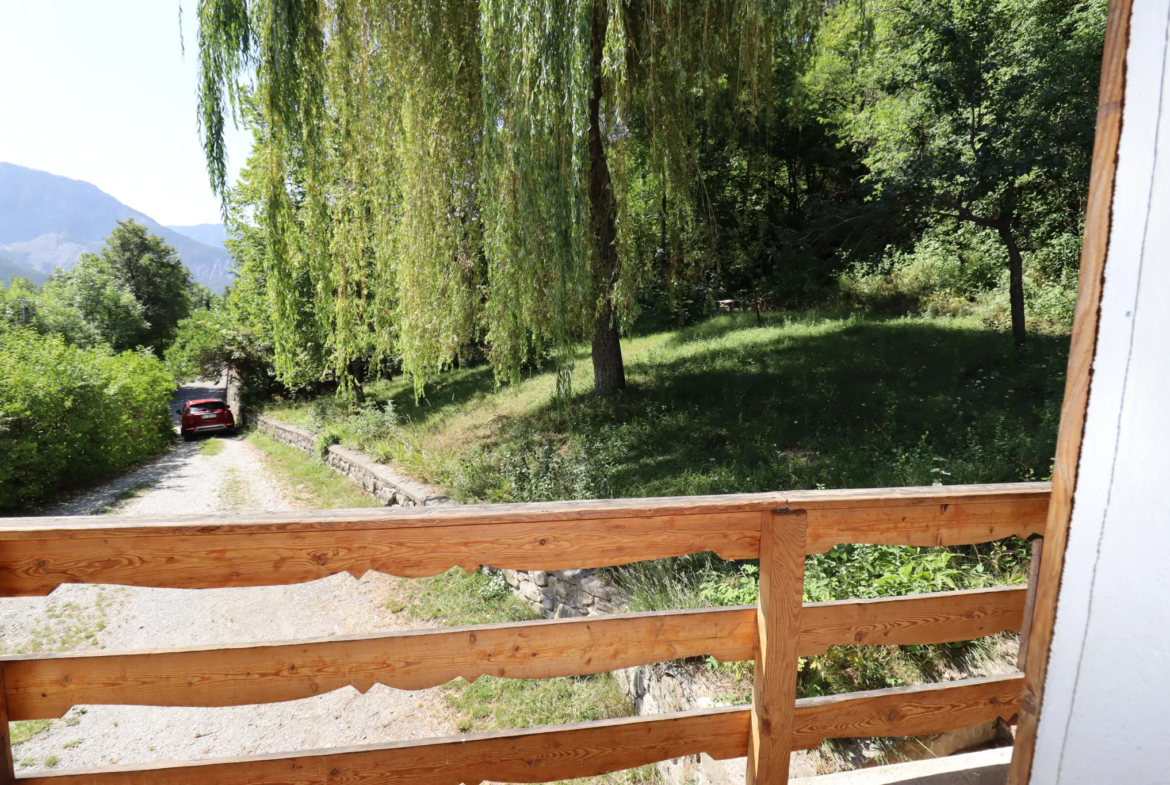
(456,171)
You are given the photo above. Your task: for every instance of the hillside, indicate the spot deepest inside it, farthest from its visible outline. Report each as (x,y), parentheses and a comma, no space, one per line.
(208,234)
(10,269)
(48,221)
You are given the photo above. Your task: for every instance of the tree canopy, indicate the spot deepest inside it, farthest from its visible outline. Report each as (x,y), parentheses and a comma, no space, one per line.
(978,111)
(451,172)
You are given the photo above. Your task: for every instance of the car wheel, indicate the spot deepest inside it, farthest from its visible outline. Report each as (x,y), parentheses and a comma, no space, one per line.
(187,435)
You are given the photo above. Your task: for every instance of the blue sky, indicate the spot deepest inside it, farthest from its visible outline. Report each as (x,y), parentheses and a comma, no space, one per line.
(99,90)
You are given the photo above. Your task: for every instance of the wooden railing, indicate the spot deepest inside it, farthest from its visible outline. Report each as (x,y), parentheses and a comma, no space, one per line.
(39,554)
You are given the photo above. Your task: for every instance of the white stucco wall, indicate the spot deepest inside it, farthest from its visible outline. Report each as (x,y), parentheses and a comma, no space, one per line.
(1106,710)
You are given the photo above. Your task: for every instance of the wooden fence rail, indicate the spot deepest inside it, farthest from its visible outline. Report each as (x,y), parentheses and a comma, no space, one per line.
(38,554)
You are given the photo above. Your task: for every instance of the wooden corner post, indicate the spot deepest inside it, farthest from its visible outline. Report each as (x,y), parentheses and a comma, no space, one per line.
(782,546)
(7,767)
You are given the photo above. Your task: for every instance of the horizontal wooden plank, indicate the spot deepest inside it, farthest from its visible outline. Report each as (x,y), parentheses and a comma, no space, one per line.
(906,711)
(99,526)
(39,554)
(47,686)
(540,755)
(583,750)
(916,619)
(962,522)
(215,560)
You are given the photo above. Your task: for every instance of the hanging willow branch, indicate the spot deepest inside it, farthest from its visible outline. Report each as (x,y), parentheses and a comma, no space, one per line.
(427,162)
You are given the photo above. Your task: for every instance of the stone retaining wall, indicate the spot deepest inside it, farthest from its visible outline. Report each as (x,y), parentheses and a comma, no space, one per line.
(564,594)
(377,478)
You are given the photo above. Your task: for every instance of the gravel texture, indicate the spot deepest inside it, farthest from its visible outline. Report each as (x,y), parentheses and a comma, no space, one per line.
(77,618)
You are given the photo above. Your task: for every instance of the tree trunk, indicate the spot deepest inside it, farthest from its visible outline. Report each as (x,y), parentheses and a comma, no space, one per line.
(608,369)
(1016,287)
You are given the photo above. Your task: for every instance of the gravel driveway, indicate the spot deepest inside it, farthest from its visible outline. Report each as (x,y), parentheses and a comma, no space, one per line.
(113,617)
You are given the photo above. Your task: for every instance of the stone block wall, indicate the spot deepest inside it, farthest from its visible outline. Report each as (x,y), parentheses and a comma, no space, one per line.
(376,478)
(564,594)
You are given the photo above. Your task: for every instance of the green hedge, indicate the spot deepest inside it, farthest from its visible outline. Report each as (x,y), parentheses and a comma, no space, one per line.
(70,415)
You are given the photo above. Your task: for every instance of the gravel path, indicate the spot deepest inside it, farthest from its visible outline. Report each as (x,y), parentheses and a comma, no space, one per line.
(113,617)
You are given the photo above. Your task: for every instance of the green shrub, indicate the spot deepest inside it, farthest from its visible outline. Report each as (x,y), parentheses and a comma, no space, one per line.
(70,415)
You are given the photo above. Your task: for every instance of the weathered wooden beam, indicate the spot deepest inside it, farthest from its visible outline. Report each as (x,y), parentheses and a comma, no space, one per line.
(906,711)
(39,554)
(540,755)
(46,686)
(586,749)
(782,546)
(7,766)
(912,620)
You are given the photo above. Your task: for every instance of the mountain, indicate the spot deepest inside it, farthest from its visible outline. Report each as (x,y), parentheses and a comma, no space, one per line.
(10,269)
(48,221)
(208,234)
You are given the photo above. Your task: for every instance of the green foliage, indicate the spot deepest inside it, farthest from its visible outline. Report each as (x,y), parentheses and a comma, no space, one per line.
(70,415)
(459,598)
(962,271)
(312,483)
(90,304)
(150,269)
(439,174)
(131,295)
(973,111)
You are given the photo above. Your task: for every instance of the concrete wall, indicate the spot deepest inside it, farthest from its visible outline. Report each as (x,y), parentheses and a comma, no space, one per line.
(1104,715)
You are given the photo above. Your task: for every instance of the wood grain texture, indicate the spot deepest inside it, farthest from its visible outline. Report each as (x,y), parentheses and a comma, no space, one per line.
(906,711)
(215,559)
(1030,601)
(912,620)
(954,522)
(39,554)
(46,686)
(7,767)
(782,546)
(587,749)
(101,526)
(539,755)
(1082,349)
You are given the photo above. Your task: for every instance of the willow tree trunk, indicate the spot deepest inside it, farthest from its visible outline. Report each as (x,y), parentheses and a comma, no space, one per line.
(608,369)
(1016,285)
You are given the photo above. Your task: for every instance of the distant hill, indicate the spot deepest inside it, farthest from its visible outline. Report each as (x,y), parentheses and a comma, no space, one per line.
(48,221)
(208,234)
(10,269)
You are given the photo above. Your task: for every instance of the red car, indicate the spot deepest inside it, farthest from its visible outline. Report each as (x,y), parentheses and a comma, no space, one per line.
(205,416)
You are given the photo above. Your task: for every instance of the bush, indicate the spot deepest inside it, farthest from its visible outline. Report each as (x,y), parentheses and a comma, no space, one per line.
(70,415)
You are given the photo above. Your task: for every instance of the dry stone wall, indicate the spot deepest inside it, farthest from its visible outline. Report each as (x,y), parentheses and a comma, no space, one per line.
(377,478)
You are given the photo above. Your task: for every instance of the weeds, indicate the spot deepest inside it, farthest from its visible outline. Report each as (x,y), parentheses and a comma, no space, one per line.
(211,447)
(313,484)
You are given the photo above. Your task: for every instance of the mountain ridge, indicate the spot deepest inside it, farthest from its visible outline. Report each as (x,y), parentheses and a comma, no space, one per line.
(47,221)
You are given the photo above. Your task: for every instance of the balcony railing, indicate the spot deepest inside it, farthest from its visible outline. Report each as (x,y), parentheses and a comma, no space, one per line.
(194,552)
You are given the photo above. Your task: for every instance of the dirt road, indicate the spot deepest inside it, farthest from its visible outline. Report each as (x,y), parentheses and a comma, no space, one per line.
(186,480)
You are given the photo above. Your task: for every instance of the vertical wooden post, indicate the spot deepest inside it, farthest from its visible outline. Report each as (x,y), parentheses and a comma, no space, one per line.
(7,769)
(1030,601)
(782,545)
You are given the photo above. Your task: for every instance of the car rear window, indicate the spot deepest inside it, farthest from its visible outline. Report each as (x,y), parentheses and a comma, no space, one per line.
(201,408)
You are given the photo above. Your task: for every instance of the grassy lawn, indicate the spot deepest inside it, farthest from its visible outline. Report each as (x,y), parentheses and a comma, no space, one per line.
(808,400)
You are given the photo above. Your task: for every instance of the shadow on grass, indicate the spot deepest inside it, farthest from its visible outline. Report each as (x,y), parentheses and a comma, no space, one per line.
(846,403)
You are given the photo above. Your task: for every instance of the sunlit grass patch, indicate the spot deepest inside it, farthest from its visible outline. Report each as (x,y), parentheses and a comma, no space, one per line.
(211,447)
(313,484)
